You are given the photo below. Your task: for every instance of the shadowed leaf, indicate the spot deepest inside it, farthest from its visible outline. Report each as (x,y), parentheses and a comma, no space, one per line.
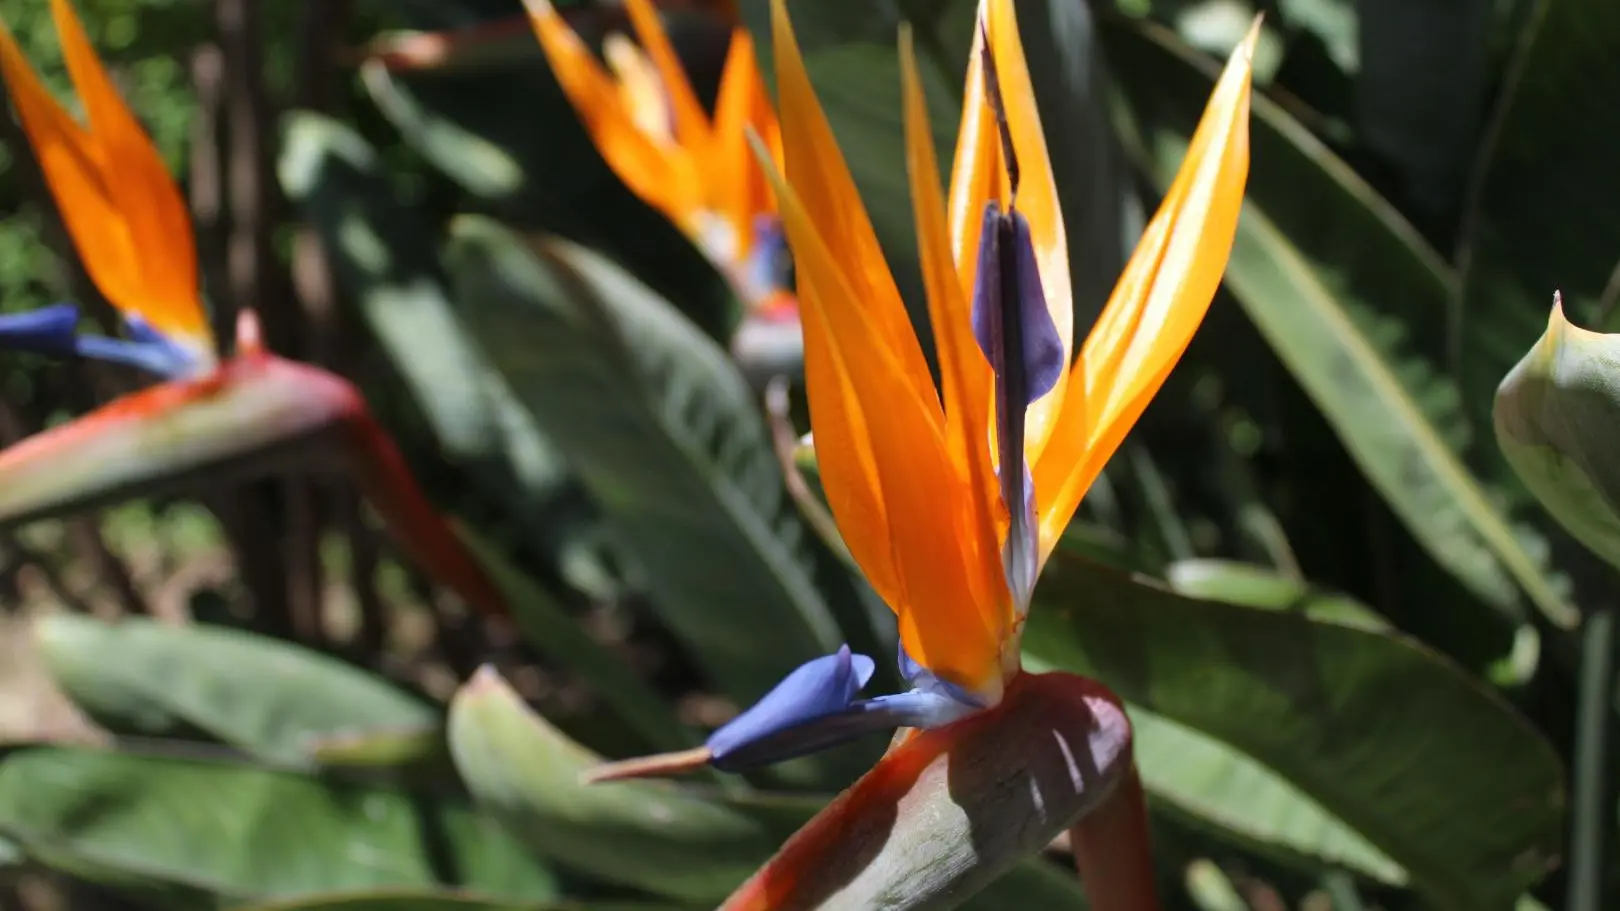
(1474,816)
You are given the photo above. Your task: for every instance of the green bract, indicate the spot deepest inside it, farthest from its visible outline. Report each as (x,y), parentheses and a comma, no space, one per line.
(1557,419)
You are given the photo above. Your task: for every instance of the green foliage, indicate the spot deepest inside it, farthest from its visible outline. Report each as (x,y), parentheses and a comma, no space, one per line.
(1329,587)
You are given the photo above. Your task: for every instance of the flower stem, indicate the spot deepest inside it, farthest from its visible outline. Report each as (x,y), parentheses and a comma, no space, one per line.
(1594,785)
(1113,851)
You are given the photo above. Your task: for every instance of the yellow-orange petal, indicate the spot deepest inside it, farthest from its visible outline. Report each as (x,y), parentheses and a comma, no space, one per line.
(139,187)
(1158,304)
(72,167)
(691,122)
(664,177)
(819,175)
(640,89)
(890,480)
(979,174)
(737,189)
(964,371)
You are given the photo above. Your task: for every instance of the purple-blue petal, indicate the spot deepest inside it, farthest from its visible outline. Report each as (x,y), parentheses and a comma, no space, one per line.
(53,331)
(770,263)
(161,359)
(162,355)
(48,330)
(816,688)
(1014,328)
(1011,321)
(815,707)
(915,708)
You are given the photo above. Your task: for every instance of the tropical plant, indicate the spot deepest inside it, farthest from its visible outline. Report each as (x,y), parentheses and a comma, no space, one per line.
(1354,657)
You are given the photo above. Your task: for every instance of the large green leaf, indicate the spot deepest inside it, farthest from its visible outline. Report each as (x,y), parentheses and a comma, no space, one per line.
(1256,586)
(1538,219)
(1427,768)
(686,843)
(273,699)
(558,636)
(647,835)
(236,833)
(664,433)
(1317,254)
(437,900)
(1208,784)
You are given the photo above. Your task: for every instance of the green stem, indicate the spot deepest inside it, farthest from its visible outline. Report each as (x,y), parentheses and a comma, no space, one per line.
(1594,798)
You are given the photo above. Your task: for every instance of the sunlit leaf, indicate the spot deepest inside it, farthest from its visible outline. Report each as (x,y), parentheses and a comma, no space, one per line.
(273,699)
(236,833)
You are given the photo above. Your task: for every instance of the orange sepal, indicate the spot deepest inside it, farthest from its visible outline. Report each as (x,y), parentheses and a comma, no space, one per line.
(964,372)
(1157,305)
(738,190)
(979,174)
(665,177)
(816,169)
(896,492)
(691,122)
(124,214)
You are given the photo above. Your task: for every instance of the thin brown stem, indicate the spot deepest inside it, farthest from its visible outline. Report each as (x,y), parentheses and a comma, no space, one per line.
(290,509)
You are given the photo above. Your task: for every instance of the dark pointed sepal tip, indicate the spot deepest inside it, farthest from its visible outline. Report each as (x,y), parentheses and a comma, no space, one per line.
(947,811)
(655,766)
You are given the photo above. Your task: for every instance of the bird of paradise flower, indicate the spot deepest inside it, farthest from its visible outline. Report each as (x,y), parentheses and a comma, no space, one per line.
(951,500)
(248,414)
(647,122)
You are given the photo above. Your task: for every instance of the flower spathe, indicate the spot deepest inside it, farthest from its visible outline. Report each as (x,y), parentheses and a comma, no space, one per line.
(951,499)
(253,411)
(646,121)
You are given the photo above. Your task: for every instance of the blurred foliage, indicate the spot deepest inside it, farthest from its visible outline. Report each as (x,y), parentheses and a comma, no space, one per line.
(1348,639)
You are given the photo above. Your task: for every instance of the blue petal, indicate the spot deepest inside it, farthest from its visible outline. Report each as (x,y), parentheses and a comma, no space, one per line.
(816,688)
(770,263)
(815,708)
(53,331)
(1016,333)
(913,709)
(163,355)
(1010,319)
(48,330)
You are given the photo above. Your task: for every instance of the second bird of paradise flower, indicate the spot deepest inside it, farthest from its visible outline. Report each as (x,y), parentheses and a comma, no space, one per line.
(646,120)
